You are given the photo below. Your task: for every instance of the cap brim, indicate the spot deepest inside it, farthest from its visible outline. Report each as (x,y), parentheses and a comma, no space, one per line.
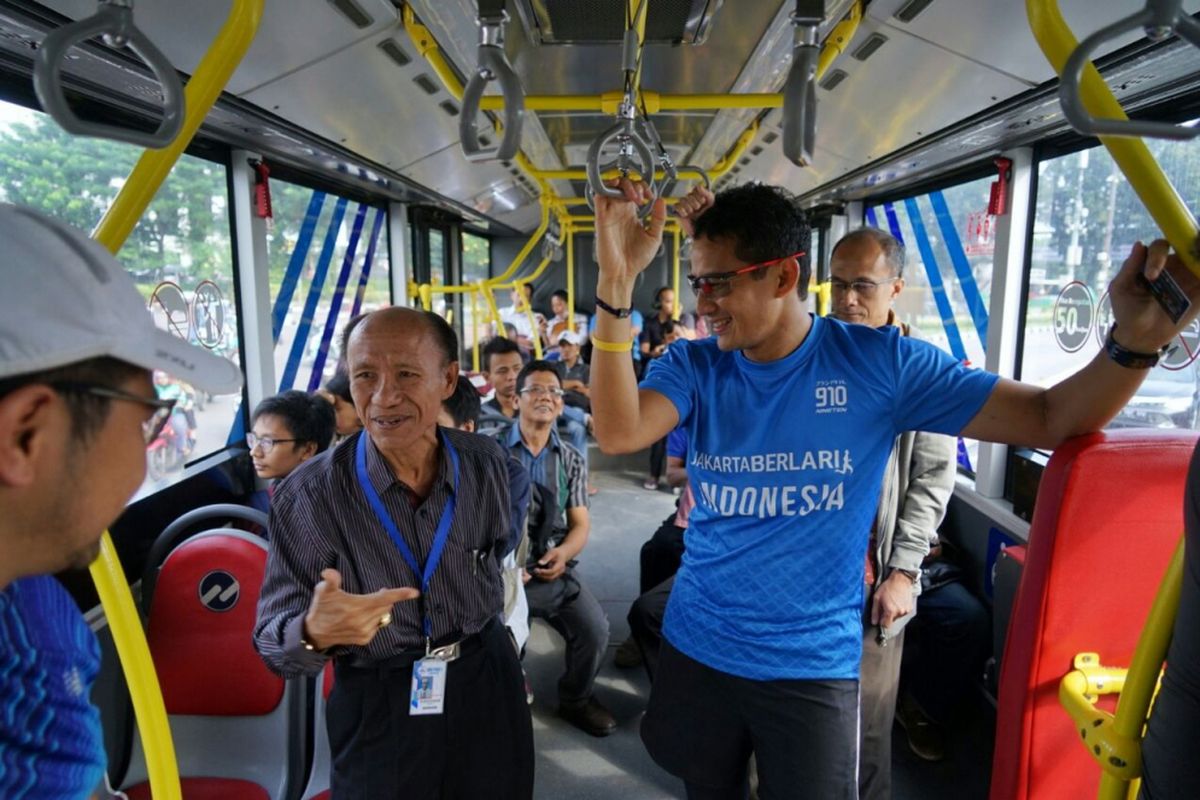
(159,349)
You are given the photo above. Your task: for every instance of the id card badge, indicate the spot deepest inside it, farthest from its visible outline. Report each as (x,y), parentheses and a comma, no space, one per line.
(428,687)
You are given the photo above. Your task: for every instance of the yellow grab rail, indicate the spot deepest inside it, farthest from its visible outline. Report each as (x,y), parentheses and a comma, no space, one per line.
(1114,740)
(1153,188)
(475,331)
(675,275)
(569,242)
(607,103)
(202,91)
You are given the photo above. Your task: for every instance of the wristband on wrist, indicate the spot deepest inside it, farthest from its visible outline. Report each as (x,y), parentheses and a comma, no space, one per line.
(612,347)
(1131,359)
(619,313)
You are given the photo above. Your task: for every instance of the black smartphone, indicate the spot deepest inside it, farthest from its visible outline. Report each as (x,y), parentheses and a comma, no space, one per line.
(1168,294)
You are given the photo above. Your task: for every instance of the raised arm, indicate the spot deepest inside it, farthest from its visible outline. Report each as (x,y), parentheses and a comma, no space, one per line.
(1018,413)
(626,419)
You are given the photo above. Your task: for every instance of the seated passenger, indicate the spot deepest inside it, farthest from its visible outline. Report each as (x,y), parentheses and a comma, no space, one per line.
(555,592)
(867,269)
(516,317)
(557,325)
(501,364)
(660,559)
(288,429)
(576,374)
(461,410)
(337,392)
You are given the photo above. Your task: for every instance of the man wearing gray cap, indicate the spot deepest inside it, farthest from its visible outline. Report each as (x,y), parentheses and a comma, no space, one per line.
(77,409)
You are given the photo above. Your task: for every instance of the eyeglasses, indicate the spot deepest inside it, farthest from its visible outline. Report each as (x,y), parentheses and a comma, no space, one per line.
(861,287)
(265,443)
(721,283)
(151,428)
(542,391)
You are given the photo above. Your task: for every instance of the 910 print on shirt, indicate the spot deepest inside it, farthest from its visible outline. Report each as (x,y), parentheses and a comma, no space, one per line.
(832,397)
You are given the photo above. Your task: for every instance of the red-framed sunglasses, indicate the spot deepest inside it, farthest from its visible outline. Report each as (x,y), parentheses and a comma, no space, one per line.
(718,285)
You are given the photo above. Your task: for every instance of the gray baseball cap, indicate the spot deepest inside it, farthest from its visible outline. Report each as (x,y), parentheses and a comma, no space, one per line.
(64,299)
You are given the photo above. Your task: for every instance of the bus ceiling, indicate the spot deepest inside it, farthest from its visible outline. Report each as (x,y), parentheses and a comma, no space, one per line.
(339,88)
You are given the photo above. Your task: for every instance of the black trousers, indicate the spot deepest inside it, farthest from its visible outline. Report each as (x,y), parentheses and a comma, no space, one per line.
(661,555)
(703,724)
(481,746)
(646,617)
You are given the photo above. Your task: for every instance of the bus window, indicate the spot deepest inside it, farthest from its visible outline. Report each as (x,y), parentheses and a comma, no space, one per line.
(1086,219)
(476,267)
(948,241)
(328,260)
(179,255)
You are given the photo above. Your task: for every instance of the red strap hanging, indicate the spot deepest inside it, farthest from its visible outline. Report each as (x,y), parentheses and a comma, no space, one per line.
(262,190)
(998,203)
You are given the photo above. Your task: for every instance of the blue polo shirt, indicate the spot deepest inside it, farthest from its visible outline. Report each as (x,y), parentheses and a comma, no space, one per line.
(785,459)
(51,743)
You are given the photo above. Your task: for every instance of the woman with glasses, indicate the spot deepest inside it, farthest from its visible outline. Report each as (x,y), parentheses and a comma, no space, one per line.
(289,429)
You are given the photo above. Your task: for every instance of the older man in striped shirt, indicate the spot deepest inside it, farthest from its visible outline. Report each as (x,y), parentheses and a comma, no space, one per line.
(385,557)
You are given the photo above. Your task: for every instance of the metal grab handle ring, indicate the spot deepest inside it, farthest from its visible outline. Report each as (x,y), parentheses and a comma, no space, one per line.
(595,182)
(493,65)
(1156,16)
(115,23)
(800,106)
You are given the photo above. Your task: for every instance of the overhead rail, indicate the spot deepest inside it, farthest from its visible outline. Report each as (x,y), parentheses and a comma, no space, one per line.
(113,21)
(1140,168)
(148,174)
(493,66)
(1160,20)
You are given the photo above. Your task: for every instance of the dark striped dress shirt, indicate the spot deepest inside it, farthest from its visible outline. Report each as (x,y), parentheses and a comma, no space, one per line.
(320,518)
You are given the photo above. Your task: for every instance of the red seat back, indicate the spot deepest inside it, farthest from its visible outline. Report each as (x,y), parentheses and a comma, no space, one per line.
(1109,514)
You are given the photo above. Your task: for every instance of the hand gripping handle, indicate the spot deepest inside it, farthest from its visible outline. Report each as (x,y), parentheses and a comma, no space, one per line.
(493,65)
(115,22)
(595,185)
(1156,18)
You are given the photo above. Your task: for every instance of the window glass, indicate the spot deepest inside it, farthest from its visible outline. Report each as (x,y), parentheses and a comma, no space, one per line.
(476,266)
(179,255)
(1087,219)
(328,261)
(948,240)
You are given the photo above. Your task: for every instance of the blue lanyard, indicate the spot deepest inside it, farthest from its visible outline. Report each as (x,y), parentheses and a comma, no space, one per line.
(385,519)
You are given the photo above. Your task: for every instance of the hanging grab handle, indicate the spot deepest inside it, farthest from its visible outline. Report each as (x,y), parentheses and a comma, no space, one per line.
(800,91)
(1160,19)
(629,146)
(114,21)
(493,66)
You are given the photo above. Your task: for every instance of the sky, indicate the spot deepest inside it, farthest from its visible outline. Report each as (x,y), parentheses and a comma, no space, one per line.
(10,113)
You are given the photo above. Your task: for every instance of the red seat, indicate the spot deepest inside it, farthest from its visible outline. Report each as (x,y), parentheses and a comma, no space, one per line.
(1109,514)
(229,714)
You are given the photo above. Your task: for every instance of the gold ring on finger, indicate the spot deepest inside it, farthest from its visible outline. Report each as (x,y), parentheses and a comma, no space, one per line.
(386,619)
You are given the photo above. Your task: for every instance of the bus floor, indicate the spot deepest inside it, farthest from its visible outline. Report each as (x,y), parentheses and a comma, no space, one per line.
(571,764)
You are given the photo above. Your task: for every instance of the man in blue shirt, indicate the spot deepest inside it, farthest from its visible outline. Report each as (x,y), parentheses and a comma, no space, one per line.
(790,422)
(77,410)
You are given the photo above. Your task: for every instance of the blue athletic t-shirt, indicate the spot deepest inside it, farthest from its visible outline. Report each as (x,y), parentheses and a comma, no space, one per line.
(51,743)
(785,460)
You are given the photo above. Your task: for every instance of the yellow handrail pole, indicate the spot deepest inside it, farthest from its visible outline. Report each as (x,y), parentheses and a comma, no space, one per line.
(1153,188)
(569,241)
(638,11)
(839,38)
(493,312)
(607,102)
(1142,676)
(475,330)
(425,292)
(675,271)
(526,250)
(202,91)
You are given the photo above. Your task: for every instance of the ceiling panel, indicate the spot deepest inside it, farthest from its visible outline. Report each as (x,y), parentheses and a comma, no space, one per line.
(997,33)
(361,99)
(293,33)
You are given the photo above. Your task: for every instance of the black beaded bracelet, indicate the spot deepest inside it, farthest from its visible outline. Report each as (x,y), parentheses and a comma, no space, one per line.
(619,313)
(1130,358)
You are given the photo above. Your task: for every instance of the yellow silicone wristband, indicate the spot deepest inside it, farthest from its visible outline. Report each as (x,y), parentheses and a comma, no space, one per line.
(612,347)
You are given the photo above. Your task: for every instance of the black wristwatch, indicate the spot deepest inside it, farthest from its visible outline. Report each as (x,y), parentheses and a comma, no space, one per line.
(1130,358)
(619,313)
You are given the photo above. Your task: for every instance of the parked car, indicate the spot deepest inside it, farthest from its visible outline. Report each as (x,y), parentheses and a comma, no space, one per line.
(1168,399)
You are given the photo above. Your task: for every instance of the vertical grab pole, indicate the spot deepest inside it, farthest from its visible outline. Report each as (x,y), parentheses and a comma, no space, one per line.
(675,270)
(147,176)
(475,330)
(570,243)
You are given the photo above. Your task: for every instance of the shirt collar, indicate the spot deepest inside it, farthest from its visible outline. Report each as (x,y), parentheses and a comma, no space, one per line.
(514,437)
(380,473)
